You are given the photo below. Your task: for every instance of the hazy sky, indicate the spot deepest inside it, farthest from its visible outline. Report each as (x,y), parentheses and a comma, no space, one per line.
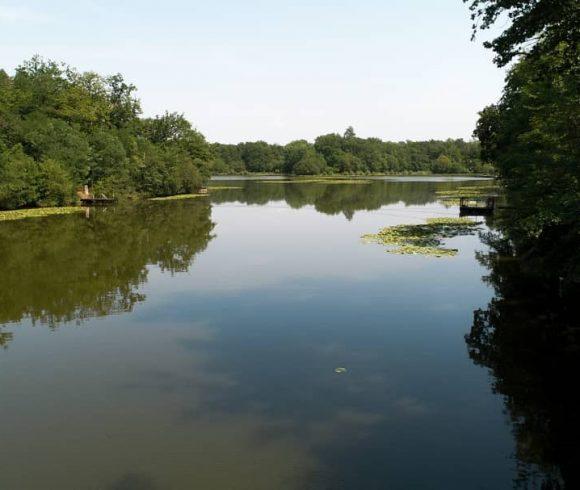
(274,70)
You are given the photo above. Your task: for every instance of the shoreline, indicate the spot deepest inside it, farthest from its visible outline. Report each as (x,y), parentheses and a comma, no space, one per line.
(28,213)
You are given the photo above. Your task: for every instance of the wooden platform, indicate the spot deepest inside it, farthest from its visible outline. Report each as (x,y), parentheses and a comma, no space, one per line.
(476,206)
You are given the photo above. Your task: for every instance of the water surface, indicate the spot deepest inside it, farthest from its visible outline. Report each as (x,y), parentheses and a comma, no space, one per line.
(193,344)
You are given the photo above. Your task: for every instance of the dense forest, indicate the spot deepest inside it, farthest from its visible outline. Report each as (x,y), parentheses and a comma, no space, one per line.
(532,135)
(349,154)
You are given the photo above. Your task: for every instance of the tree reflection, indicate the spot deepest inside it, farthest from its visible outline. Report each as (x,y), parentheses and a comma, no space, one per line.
(68,268)
(528,337)
(336,198)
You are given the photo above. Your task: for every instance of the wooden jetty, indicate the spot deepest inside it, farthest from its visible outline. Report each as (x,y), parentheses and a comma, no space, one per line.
(95,201)
(476,206)
(89,199)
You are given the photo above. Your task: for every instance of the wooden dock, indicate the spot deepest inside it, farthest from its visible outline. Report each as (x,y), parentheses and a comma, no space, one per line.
(476,206)
(87,198)
(97,201)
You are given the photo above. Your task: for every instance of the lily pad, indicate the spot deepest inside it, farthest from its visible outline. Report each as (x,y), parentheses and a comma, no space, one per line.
(423,239)
(37,212)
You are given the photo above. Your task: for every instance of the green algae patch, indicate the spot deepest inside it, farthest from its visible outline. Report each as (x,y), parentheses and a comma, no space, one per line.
(177,197)
(316,181)
(451,197)
(423,239)
(37,213)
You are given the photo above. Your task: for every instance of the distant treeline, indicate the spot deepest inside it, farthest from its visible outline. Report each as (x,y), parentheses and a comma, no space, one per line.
(349,154)
(61,129)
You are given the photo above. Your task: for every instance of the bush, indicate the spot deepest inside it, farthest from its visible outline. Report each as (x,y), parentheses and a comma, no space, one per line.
(188,179)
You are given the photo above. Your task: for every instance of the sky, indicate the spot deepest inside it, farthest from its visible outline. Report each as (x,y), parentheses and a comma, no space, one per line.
(274,70)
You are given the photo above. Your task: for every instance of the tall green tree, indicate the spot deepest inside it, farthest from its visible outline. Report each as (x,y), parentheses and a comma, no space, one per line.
(532,135)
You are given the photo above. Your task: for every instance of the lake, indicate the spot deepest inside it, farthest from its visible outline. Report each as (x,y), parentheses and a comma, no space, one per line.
(246,340)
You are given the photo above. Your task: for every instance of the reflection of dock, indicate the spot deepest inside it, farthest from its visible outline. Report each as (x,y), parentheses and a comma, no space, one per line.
(476,206)
(95,201)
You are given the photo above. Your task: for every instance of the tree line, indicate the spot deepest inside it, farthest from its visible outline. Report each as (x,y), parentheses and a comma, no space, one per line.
(61,129)
(348,154)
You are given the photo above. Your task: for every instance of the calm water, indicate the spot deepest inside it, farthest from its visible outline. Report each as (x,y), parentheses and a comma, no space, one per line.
(193,344)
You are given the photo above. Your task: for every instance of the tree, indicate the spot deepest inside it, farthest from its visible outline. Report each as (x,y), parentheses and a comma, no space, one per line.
(55,187)
(168,128)
(61,129)
(536,26)
(532,134)
(310,164)
(294,152)
(124,107)
(108,156)
(444,165)
(18,179)
(260,157)
(349,133)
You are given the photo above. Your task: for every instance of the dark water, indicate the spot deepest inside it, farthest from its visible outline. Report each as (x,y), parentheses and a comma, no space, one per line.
(193,344)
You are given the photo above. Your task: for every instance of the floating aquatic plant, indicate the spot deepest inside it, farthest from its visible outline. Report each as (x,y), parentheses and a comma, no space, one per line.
(177,197)
(319,180)
(423,239)
(37,213)
(451,197)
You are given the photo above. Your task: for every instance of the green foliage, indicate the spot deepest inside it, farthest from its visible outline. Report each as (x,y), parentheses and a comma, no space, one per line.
(55,187)
(19,175)
(61,129)
(310,164)
(536,26)
(348,154)
(187,176)
(531,135)
(300,158)
(444,165)
(259,156)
